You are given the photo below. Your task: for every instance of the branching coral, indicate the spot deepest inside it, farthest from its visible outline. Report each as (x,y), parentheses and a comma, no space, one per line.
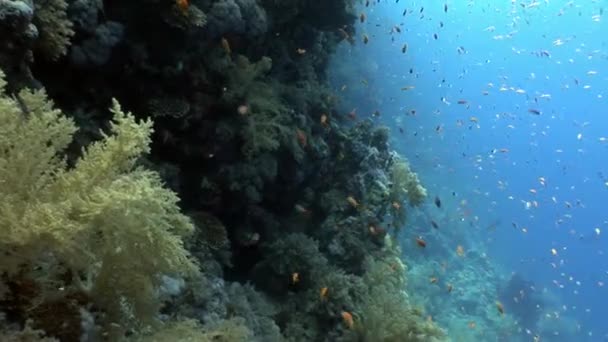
(101,232)
(51,19)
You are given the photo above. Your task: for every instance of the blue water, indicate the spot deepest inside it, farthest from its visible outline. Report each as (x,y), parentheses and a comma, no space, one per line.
(526,192)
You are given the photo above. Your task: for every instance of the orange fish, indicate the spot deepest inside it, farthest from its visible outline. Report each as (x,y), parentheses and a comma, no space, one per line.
(396,205)
(183,5)
(301,51)
(460,250)
(323,293)
(295,278)
(347,317)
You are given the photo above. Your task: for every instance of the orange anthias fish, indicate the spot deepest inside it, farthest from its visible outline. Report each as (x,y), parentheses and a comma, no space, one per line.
(347,318)
(183,5)
(323,293)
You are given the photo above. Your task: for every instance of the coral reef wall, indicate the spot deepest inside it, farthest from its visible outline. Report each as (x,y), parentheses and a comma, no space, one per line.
(236,204)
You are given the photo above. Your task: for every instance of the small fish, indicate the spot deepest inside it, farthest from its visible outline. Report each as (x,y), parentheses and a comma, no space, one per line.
(450,287)
(352,201)
(435,36)
(375,230)
(460,251)
(324,120)
(226,46)
(348,320)
(434,224)
(362,17)
(462,102)
(323,293)
(302,210)
(365,39)
(242,109)
(420,242)
(352,114)
(300,51)
(404,48)
(500,308)
(437,201)
(534,111)
(406,88)
(433,280)
(183,5)
(396,205)
(445,8)
(295,278)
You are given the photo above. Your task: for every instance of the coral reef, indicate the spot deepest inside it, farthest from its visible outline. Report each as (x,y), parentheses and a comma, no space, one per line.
(292,212)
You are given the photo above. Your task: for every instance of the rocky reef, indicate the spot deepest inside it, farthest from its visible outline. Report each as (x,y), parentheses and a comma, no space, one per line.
(237,203)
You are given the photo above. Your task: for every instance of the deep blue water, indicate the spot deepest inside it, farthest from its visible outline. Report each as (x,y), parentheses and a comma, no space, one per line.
(526,191)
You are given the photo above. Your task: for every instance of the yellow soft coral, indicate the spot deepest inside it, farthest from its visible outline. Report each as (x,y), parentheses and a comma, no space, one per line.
(103,230)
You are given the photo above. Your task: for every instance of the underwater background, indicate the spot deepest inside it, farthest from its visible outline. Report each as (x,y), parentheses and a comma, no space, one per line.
(338,170)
